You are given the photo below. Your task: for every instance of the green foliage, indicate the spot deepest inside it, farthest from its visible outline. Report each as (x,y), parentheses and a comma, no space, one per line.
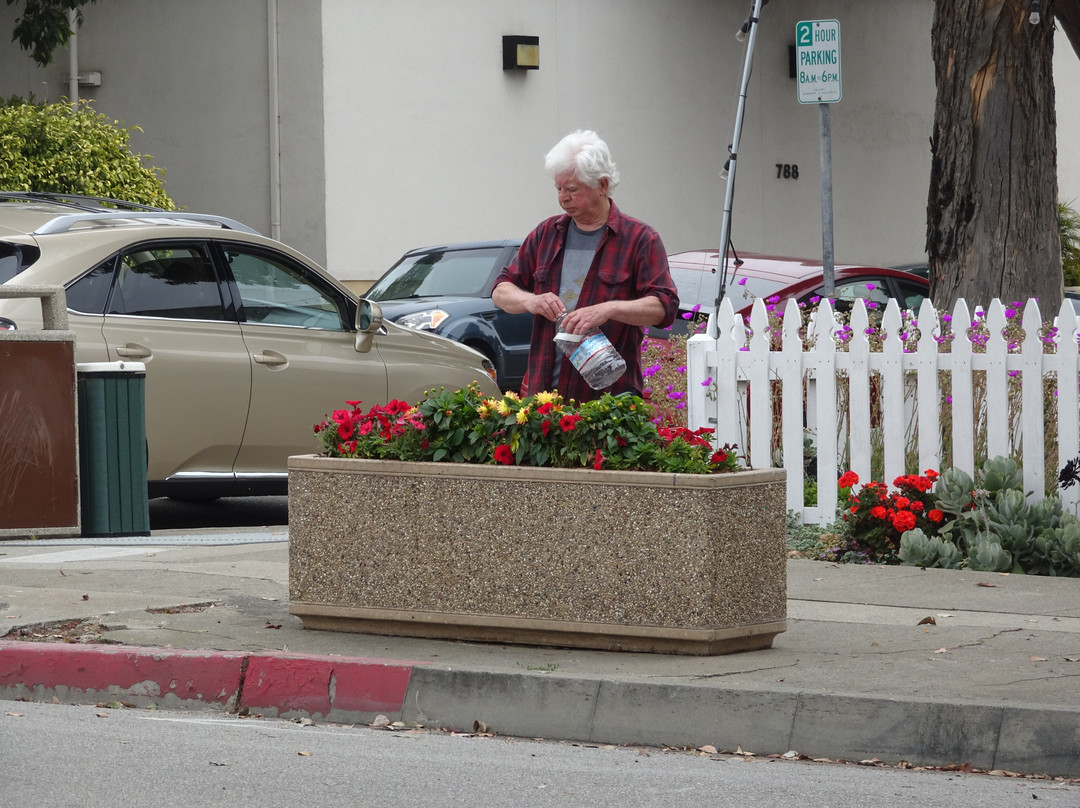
(464,426)
(51,148)
(917,550)
(43,26)
(1069,232)
(986,525)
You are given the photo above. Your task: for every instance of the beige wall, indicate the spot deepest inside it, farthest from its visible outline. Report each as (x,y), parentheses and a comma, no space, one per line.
(397,126)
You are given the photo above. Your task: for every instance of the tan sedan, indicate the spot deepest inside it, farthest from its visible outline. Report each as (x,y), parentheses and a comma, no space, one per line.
(246,343)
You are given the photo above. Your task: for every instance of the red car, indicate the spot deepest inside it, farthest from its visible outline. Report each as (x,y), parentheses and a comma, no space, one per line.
(772,276)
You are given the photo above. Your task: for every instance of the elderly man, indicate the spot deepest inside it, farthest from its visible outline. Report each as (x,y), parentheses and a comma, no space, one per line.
(601,267)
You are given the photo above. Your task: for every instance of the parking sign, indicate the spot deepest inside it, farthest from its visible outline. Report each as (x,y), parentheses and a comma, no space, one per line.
(817,61)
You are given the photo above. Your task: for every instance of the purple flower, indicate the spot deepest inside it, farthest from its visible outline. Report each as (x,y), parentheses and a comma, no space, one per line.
(707,382)
(815,299)
(871,287)
(1010,313)
(742,281)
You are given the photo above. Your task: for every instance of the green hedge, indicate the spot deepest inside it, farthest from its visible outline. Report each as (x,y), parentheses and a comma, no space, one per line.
(52,148)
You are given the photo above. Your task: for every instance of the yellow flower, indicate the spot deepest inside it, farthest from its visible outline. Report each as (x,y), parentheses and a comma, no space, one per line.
(547,398)
(523,415)
(510,394)
(483,411)
(502,407)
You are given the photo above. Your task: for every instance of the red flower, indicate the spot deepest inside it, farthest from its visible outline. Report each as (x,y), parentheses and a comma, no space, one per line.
(848,479)
(931,474)
(935,516)
(599,460)
(901,503)
(504,454)
(903,520)
(878,512)
(568,422)
(545,408)
(917,506)
(545,427)
(718,457)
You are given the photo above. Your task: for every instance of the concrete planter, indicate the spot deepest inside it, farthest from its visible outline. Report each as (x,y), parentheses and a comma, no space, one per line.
(637,561)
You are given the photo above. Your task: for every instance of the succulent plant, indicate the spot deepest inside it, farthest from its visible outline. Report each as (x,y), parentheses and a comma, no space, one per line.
(1002,474)
(919,551)
(989,556)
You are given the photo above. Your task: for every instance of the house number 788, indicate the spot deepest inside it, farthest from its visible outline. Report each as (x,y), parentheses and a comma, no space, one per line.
(787,171)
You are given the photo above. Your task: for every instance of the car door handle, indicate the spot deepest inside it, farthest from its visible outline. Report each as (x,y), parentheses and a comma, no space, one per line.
(132,351)
(271,358)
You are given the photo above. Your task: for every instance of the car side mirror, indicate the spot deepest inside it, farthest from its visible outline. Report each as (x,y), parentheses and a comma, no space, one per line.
(369,319)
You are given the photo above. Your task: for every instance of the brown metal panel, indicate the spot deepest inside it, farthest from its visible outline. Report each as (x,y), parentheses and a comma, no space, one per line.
(38,456)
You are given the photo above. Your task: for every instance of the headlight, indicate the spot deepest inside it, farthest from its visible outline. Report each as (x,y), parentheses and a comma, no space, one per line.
(424,320)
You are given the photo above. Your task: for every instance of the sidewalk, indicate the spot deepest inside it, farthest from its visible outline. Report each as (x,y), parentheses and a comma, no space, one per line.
(992,680)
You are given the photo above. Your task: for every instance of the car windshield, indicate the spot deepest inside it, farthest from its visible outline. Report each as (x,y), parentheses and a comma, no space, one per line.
(459,273)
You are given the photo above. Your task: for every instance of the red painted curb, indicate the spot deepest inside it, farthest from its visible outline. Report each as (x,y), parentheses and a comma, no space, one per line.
(281,683)
(321,685)
(203,676)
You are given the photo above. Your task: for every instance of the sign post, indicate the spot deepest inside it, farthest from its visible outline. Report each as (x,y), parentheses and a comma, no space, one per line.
(817,58)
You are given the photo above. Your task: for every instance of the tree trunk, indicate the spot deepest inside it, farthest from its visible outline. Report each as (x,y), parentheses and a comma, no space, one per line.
(1068,15)
(992,211)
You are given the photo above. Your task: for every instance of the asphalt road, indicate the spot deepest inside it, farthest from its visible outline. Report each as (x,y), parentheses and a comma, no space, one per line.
(77,756)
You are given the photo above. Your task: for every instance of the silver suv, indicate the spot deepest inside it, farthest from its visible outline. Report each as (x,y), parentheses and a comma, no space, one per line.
(247,343)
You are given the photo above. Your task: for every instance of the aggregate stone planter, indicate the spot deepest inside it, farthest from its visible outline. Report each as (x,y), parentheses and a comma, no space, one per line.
(637,561)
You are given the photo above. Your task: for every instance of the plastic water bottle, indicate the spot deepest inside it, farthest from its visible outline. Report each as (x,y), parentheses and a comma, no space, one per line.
(592,354)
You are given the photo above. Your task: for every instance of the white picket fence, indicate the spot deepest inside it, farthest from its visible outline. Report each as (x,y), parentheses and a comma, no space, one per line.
(734,380)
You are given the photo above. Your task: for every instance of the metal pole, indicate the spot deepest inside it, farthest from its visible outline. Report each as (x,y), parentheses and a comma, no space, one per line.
(729,195)
(73,59)
(827,260)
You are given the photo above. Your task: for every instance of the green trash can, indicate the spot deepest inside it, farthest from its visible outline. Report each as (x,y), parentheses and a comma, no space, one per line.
(112,448)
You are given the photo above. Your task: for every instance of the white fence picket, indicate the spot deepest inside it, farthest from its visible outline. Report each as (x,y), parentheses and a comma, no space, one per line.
(914,383)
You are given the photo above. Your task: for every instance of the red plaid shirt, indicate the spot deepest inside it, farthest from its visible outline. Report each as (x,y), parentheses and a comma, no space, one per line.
(630,263)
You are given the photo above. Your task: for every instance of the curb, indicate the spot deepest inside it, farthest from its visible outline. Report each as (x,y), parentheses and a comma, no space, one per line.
(1027,739)
(339,689)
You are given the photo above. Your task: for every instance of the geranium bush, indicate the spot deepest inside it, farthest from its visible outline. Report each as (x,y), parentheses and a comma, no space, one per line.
(466,426)
(877,518)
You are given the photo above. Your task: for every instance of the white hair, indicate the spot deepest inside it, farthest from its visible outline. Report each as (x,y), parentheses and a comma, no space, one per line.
(585,154)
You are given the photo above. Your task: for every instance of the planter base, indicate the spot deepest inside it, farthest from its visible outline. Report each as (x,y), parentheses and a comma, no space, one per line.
(526,631)
(620,560)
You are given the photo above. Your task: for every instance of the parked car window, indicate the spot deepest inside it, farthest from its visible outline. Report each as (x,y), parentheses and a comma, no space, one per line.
(274,292)
(435,274)
(166,281)
(911,294)
(88,294)
(871,290)
(14,258)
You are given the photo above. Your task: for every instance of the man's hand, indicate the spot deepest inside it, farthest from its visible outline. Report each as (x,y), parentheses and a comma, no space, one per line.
(514,300)
(548,305)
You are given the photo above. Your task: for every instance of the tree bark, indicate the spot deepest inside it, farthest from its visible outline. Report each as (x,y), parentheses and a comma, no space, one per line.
(992,211)
(1068,15)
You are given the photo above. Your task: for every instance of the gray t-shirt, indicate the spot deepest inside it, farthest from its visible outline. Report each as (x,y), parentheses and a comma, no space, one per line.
(577,258)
